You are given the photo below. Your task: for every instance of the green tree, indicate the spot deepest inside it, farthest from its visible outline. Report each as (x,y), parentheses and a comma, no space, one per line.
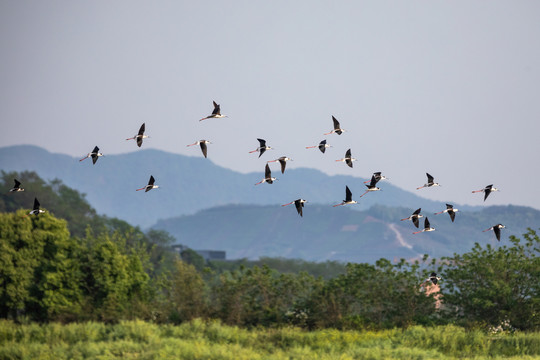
(495,285)
(381,295)
(38,268)
(187,294)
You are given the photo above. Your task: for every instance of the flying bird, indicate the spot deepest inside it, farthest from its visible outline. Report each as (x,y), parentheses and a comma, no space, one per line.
(283,162)
(202,144)
(262,147)
(433,278)
(497,230)
(414,217)
(140,136)
(427,227)
(299,203)
(487,190)
(337,129)
(348,198)
(322,146)
(150,185)
(372,186)
(348,159)
(17,187)
(267,176)
(36,210)
(429,182)
(450,210)
(95,154)
(215,114)
(378,176)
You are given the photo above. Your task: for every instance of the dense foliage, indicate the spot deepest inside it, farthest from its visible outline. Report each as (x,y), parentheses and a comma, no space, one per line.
(114,272)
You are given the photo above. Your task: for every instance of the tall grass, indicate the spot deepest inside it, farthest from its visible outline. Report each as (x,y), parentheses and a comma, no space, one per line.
(212,340)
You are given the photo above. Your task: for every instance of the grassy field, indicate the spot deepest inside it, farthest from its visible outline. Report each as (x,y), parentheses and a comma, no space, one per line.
(212,340)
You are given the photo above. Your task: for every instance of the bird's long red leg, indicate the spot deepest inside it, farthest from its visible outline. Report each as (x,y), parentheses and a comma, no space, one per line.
(84,158)
(486,230)
(130,138)
(328,133)
(260,182)
(364,193)
(404,219)
(310,147)
(475,191)
(253,151)
(288,203)
(191,144)
(141,189)
(416,232)
(418,188)
(440,212)
(337,205)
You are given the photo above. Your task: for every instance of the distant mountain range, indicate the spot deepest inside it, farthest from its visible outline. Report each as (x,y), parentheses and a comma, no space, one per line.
(205,206)
(190,184)
(326,233)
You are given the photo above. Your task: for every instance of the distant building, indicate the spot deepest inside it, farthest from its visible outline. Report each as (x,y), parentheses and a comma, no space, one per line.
(206,254)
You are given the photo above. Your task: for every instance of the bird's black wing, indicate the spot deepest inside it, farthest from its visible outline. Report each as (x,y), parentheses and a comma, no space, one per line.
(452,215)
(373,182)
(429,179)
(415,221)
(262,142)
(267,172)
(151,181)
(299,205)
(336,123)
(417,211)
(141,129)
(17,184)
(348,194)
(487,191)
(217,110)
(94,158)
(348,153)
(36,204)
(139,140)
(426,224)
(283,163)
(204,149)
(497,232)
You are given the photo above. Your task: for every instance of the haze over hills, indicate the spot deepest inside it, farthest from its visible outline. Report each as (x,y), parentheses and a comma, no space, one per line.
(326,233)
(190,184)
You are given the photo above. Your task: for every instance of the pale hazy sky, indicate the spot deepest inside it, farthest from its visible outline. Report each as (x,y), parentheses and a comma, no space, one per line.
(447,87)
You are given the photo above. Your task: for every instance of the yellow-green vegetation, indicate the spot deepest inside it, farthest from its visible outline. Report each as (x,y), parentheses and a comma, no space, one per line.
(200,339)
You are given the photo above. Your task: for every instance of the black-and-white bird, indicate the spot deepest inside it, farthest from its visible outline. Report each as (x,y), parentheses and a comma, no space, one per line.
(378,175)
(322,146)
(427,227)
(202,144)
(497,230)
(36,210)
(348,159)
(348,198)
(95,154)
(216,113)
(17,187)
(337,128)
(429,183)
(267,176)
(140,136)
(150,185)
(262,147)
(299,204)
(282,161)
(450,210)
(433,278)
(414,217)
(372,186)
(487,190)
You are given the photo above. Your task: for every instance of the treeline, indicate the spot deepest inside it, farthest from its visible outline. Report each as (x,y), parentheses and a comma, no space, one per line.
(50,270)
